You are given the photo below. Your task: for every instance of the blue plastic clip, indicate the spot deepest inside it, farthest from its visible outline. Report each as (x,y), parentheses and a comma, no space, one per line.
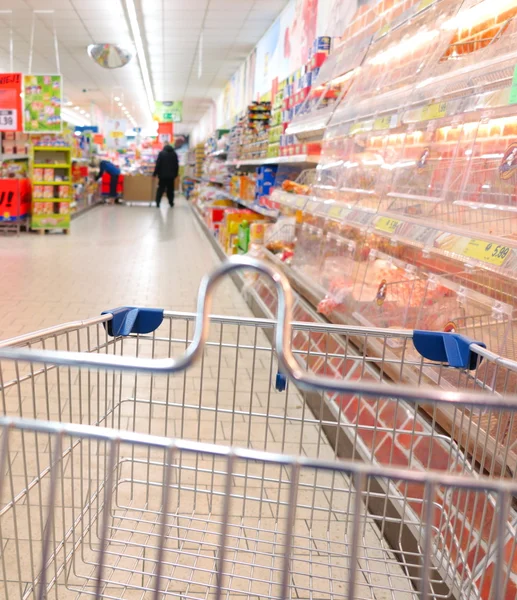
(450,348)
(281,382)
(129,319)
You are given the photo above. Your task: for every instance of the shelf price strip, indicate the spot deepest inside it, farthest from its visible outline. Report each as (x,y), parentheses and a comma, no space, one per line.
(494,254)
(386,224)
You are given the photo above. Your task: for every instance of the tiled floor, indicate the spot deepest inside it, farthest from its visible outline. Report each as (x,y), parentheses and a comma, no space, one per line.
(114,256)
(145,256)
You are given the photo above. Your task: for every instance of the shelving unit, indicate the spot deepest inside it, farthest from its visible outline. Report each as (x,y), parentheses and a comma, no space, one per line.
(52,199)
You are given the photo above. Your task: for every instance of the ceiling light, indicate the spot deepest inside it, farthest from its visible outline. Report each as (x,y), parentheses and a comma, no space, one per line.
(87,114)
(83,112)
(117,99)
(120,103)
(135,28)
(76,108)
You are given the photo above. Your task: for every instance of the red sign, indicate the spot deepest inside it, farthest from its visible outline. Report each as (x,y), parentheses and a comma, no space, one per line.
(166,128)
(11,102)
(15,199)
(98,139)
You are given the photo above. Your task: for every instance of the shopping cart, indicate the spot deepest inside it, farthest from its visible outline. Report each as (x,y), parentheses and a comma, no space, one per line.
(127,470)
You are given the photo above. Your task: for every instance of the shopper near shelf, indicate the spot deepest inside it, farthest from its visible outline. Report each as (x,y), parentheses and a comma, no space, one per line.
(166,169)
(105,166)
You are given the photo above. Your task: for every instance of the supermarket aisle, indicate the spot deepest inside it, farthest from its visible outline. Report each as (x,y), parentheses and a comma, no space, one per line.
(115,256)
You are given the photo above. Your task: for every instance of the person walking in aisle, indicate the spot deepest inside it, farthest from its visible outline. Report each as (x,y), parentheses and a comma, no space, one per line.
(105,166)
(166,170)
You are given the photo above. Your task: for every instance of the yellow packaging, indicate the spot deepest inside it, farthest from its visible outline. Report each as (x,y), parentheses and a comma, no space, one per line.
(257,233)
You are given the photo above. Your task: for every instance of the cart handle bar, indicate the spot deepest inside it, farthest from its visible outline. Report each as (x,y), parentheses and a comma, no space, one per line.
(287,361)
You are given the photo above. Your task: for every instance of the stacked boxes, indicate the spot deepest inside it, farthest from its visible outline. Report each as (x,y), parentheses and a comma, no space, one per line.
(15,142)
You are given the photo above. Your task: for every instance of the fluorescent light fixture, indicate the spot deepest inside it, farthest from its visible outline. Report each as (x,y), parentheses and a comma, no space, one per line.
(76,108)
(135,29)
(120,103)
(117,99)
(83,112)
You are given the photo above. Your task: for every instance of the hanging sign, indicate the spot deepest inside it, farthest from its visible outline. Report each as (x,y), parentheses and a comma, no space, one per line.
(10,102)
(168,112)
(42,104)
(98,139)
(166,129)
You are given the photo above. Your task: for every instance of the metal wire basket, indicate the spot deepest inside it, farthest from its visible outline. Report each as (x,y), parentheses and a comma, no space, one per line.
(123,474)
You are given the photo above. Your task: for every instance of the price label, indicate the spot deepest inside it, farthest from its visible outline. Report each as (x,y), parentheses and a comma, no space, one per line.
(382,123)
(494,254)
(434,111)
(8,119)
(513,89)
(300,203)
(424,4)
(383,30)
(386,224)
(335,211)
(356,127)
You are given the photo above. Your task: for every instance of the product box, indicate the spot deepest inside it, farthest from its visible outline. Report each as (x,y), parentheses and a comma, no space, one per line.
(248,187)
(21,138)
(138,188)
(322,44)
(9,147)
(63,191)
(48,191)
(48,175)
(37,191)
(37,174)
(9,136)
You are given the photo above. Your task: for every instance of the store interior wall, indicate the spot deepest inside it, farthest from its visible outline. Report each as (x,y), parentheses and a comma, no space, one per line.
(282,50)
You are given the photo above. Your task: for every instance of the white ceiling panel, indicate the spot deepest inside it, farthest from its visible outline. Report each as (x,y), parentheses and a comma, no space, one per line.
(170,31)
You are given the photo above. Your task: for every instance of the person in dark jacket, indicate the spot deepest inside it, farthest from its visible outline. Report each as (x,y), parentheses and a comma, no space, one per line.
(166,170)
(105,166)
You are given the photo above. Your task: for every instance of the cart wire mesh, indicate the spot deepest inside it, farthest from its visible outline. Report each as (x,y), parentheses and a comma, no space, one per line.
(217,482)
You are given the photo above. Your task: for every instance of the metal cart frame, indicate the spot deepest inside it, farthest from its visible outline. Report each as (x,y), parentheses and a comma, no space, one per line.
(123,474)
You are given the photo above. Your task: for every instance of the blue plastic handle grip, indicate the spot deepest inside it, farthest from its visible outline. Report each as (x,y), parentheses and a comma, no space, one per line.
(129,319)
(450,348)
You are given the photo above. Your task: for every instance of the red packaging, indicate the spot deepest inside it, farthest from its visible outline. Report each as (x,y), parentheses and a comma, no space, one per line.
(317,60)
(106,184)
(10,207)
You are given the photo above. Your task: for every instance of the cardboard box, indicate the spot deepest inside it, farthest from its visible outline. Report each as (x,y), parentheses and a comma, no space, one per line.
(139,188)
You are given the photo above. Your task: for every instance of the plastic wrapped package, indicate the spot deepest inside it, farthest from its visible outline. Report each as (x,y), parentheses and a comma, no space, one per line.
(309,248)
(338,273)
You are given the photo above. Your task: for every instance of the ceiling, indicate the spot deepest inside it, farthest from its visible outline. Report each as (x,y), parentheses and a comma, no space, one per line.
(171,32)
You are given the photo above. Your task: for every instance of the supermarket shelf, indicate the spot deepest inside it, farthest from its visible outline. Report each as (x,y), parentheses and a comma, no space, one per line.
(52,183)
(279,160)
(218,153)
(52,149)
(213,180)
(261,210)
(51,166)
(14,157)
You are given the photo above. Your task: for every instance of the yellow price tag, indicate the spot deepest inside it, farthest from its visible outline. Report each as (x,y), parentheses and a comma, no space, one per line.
(356,127)
(382,123)
(383,30)
(386,224)
(494,254)
(301,202)
(335,211)
(434,111)
(424,4)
